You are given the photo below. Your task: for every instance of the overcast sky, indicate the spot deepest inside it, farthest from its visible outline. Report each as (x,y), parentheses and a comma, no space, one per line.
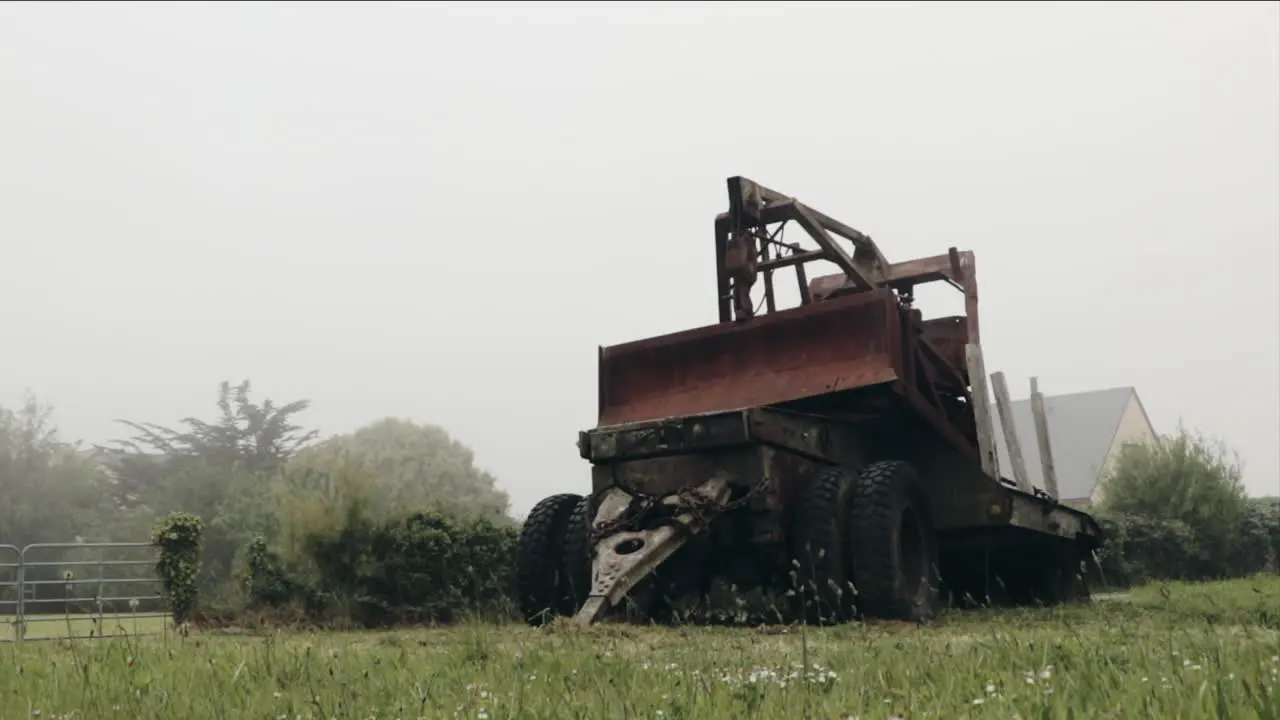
(439,211)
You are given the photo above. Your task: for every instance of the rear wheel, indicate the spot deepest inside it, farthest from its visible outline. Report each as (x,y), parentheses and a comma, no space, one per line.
(577,556)
(892,545)
(540,582)
(823,594)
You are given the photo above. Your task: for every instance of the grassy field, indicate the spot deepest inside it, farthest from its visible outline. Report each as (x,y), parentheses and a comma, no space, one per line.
(44,627)
(1167,652)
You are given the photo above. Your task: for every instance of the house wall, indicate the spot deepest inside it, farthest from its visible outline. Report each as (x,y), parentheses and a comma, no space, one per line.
(1134,427)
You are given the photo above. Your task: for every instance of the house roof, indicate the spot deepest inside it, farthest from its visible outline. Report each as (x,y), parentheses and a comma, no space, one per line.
(1082,427)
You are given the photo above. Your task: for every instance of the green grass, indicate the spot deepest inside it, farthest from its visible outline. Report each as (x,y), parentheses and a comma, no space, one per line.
(1167,652)
(45,627)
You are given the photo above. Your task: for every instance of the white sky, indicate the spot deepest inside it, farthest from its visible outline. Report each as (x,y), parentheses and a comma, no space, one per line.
(439,211)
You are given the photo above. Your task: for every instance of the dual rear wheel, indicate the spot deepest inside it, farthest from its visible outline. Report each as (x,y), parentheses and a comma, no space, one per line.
(863,545)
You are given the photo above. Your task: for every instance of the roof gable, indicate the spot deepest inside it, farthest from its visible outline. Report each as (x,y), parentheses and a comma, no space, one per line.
(1082,427)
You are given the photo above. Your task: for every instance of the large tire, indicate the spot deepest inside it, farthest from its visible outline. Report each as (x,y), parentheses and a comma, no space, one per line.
(819,545)
(577,556)
(540,584)
(893,545)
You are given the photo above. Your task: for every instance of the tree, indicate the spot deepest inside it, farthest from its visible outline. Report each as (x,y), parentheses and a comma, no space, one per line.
(246,437)
(219,471)
(49,488)
(1186,477)
(414,467)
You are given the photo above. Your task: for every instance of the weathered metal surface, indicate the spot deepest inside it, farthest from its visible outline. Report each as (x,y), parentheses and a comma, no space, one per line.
(948,336)
(625,558)
(803,352)
(659,476)
(664,436)
(1048,517)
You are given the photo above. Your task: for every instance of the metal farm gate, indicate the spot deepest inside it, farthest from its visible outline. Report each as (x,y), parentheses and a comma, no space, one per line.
(79,590)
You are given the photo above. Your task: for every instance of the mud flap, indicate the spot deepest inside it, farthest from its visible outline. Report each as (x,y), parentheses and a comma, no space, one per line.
(623,559)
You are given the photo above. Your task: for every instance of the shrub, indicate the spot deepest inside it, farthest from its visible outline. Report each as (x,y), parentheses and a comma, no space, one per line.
(424,567)
(178,537)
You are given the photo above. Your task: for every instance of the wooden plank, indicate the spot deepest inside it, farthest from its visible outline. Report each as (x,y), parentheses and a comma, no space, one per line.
(1005,407)
(982,409)
(1042,440)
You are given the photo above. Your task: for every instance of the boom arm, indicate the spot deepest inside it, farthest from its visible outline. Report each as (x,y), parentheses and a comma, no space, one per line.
(746,248)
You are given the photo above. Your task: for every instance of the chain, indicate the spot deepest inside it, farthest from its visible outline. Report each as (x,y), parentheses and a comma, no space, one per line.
(637,508)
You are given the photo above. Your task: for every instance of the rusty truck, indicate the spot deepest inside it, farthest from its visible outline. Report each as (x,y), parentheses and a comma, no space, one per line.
(838,451)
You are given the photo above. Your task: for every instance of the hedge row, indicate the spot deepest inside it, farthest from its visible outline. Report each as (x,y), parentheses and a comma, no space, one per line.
(431,568)
(421,568)
(1140,549)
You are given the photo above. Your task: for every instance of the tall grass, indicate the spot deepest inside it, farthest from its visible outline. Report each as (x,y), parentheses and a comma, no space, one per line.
(1169,651)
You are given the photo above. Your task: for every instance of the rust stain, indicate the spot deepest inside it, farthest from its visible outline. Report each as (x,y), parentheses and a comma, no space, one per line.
(843,343)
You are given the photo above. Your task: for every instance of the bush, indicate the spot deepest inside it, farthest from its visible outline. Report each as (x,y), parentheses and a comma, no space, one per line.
(1138,548)
(1186,477)
(178,537)
(424,567)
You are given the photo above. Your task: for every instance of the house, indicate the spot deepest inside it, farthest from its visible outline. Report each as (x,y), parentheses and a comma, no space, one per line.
(1086,432)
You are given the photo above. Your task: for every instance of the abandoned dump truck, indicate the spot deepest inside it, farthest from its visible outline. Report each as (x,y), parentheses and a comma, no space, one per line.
(838,451)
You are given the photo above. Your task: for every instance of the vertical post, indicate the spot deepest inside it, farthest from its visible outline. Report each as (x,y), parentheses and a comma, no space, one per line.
(982,409)
(723,300)
(21,627)
(1005,408)
(1042,440)
(102,571)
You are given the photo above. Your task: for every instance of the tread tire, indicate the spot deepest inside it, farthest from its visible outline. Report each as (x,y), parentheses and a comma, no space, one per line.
(577,560)
(896,575)
(819,545)
(540,584)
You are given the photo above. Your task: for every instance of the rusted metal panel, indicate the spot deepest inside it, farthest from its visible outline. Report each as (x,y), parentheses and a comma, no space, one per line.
(948,336)
(660,476)
(803,352)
